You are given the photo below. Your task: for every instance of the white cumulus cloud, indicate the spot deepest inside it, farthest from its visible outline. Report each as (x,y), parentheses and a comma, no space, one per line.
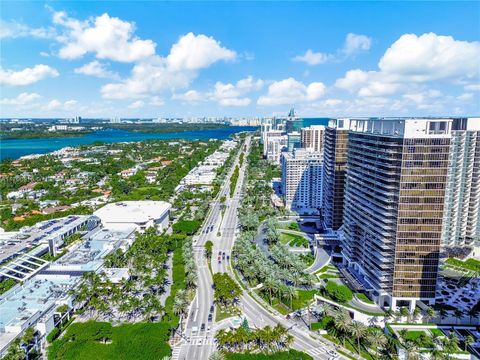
(176,71)
(55,105)
(26,76)
(356,43)
(313,58)
(136,104)
(290,91)
(194,52)
(413,60)
(13,29)
(97,69)
(106,37)
(234,94)
(190,96)
(22,99)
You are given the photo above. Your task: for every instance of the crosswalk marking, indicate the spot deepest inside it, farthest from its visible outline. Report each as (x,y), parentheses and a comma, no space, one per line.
(201,341)
(175,353)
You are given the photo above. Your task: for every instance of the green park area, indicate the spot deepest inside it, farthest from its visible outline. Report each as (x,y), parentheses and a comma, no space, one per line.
(284,355)
(101,340)
(469,265)
(293,240)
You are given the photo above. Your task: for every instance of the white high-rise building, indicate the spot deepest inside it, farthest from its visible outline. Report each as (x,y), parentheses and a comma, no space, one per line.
(275,142)
(313,137)
(461,222)
(302,181)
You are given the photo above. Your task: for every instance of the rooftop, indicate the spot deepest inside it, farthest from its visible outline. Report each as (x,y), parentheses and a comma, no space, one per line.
(132,211)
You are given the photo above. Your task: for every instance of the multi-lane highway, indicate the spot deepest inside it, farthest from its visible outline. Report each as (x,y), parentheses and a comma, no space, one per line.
(198,341)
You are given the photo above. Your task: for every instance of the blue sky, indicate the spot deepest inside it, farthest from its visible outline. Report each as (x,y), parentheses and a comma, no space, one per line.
(149,59)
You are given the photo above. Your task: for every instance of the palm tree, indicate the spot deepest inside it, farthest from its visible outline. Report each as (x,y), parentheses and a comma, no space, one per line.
(468,340)
(358,330)
(289,293)
(271,286)
(342,322)
(376,339)
(179,308)
(458,314)
(473,312)
(412,351)
(436,354)
(216,355)
(430,313)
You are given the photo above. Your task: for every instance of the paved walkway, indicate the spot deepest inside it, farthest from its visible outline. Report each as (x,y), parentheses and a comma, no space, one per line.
(322,259)
(169,280)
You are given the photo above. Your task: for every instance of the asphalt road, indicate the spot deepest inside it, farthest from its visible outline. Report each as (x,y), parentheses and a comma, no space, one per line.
(198,344)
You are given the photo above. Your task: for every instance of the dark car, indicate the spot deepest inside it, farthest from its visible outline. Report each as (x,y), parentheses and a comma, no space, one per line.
(202,328)
(211,309)
(210,317)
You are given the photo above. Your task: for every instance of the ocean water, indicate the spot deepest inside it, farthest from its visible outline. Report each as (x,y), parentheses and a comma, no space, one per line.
(15,148)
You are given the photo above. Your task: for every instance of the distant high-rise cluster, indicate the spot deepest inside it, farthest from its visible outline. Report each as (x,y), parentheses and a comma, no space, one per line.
(397,192)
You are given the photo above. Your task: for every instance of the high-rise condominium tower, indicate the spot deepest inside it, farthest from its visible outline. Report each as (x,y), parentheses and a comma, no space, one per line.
(394,206)
(302,181)
(334,167)
(313,138)
(461,224)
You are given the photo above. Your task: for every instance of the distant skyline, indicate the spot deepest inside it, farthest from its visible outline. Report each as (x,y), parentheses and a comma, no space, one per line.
(182,59)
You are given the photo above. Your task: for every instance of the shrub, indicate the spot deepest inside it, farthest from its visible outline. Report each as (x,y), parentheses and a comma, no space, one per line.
(53,334)
(340,293)
(188,227)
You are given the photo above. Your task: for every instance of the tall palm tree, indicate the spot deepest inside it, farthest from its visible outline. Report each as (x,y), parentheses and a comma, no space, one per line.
(430,313)
(377,339)
(458,314)
(411,350)
(358,330)
(473,312)
(289,293)
(468,340)
(342,322)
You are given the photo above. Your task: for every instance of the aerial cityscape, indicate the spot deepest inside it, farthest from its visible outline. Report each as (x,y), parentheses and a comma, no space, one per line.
(239,180)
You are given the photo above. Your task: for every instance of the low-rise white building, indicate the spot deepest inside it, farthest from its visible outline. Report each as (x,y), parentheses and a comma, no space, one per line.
(141,214)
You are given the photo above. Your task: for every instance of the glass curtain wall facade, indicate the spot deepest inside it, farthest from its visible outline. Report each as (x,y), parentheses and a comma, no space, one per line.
(334,169)
(394,206)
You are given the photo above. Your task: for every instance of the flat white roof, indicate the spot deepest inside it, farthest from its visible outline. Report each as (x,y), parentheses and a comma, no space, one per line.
(132,211)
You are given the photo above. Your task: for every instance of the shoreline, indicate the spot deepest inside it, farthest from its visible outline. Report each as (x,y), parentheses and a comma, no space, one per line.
(15,149)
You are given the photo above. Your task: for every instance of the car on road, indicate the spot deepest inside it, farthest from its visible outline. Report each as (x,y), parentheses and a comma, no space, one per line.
(194,329)
(212,308)
(210,317)
(202,328)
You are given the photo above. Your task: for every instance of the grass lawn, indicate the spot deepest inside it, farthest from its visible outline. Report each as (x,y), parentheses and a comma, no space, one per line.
(322,270)
(350,345)
(224,312)
(437,332)
(470,264)
(293,240)
(304,297)
(322,324)
(419,337)
(283,355)
(308,259)
(364,298)
(101,340)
